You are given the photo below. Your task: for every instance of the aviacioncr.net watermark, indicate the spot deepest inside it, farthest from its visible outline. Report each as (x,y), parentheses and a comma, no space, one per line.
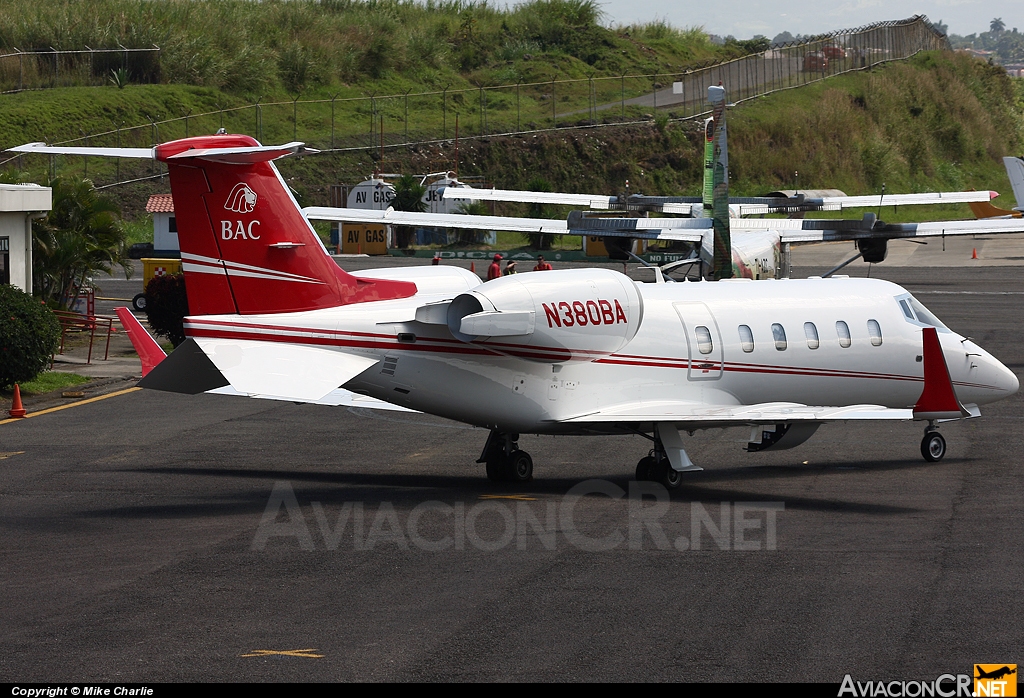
(648,520)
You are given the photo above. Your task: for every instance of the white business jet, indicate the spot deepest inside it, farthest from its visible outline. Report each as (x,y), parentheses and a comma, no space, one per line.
(582,351)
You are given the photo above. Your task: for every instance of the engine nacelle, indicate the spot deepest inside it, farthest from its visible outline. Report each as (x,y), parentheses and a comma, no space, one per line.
(550,316)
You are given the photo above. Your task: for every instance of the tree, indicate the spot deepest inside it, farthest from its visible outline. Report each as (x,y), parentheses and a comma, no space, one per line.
(408,197)
(940,27)
(81,236)
(167,306)
(468,236)
(29,334)
(539,241)
(997,25)
(783,38)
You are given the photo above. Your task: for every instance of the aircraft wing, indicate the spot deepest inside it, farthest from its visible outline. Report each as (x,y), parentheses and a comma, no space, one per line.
(702,415)
(339,397)
(685,229)
(437,220)
(807,231)
(595,201)
(762,205)
(743,206)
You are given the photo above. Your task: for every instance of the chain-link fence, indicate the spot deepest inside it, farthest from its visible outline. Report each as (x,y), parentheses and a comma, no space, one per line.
(46,68)
(376,122)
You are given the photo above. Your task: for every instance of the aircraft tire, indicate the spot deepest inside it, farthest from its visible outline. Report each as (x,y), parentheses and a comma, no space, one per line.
(933,446)
(645,468)
(519,467)
(139,302)
(668,476)
(496,468)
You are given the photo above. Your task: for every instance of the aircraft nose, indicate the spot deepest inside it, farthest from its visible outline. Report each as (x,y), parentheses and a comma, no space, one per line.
(1007,380)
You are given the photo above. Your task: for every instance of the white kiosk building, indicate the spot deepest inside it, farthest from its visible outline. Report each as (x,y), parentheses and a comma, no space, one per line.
(20,204)
(165,226)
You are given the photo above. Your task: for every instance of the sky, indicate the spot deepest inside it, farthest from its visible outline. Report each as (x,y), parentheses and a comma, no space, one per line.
(746,18)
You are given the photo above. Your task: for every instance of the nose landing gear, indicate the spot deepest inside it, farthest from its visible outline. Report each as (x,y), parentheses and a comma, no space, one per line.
(933,445)
(505,462)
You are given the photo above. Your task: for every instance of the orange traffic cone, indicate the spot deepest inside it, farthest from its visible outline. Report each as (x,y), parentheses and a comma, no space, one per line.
(17,409)
(974,254)
(472,267)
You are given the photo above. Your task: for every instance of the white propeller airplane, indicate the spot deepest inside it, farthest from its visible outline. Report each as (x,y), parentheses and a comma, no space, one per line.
(581,351)
(732,246)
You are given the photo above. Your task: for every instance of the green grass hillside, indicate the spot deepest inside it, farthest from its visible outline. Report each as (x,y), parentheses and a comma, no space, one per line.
(937,121)
(940,121)
(285,47)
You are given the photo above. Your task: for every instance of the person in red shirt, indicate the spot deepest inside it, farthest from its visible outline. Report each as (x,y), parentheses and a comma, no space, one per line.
(494,271)
(541,264)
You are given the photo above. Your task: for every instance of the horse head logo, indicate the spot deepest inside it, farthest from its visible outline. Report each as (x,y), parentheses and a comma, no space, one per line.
(242,199)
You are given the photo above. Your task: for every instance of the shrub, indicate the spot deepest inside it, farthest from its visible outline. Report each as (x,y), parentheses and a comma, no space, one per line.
(29,334)
(167,306)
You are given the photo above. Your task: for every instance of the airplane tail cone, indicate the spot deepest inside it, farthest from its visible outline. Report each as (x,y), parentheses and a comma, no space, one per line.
(974,254)
(17,409)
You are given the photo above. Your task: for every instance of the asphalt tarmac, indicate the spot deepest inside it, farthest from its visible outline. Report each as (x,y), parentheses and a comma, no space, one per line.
(137,544)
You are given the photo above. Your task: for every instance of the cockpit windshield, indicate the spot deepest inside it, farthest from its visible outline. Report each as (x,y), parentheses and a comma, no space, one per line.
(913,309)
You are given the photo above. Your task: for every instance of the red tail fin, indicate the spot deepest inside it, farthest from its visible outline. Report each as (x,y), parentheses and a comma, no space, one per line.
(245,246)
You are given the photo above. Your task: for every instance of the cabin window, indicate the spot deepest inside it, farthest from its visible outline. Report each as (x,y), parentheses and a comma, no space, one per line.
(779,333)
(704,343)
(746,339)
(843,331)
(811,332)
(875,333)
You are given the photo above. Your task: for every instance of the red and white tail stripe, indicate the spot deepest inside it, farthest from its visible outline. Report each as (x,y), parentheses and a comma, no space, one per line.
(207,265)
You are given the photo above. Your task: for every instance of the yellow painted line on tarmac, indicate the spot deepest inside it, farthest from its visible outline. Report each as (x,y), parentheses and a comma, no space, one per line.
(73,404)
(8,454)
(285,653)
(516,497)
(124,300)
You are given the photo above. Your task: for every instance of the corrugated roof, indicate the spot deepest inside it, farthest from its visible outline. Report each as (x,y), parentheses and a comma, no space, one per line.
(160,203)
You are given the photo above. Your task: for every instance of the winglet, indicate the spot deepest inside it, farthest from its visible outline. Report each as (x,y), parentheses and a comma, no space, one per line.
(983,209)
(145,346)
(938,399)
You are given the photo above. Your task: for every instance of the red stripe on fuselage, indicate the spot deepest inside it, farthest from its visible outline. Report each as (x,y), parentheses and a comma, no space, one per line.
(370,340)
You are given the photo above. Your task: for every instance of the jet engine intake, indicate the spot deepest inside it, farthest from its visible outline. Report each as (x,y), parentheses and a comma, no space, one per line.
(552,316)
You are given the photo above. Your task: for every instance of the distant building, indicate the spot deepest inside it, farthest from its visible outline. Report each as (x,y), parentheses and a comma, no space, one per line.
(165,227)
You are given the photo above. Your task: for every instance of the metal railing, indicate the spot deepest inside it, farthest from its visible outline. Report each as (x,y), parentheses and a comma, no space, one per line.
(36,69)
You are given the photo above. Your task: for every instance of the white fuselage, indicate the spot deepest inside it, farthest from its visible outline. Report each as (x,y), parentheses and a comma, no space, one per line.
(690,346)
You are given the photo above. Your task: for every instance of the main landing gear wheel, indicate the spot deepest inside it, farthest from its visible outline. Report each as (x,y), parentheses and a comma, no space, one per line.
(519,467)
(645,467)
(496,470)
(139,302)
(515,467)
(933,446)
(668,476)
(504,461)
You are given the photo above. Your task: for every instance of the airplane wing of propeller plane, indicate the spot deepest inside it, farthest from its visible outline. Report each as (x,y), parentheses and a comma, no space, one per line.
(583,352)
